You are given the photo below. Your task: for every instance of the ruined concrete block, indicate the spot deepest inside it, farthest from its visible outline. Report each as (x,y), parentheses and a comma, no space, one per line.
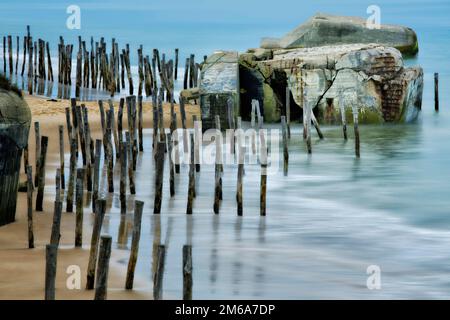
(219,88)
(367,76)
(326,29)
(15,118)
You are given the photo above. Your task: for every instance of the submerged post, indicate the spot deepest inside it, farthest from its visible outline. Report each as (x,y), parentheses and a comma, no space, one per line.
(101,286)
(51,251)
(436,92)
(158,276)
(138,208)
(187,272)
(93,253)
(159,173)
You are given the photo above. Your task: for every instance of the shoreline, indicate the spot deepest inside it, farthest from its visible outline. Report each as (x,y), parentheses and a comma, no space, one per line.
(22,270)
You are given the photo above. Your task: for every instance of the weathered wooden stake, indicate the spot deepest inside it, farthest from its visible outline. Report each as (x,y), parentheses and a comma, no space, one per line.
(288,112)
(101,285)
(239,180)
(30,206)
(316,125)
(343,118)
(73,167)
(37,154)
(130,164)
(123,178)
(159,174)
(93,253)
(191,190)
(187,272)
(98,150)
(197,142)
(436,92)
(61,156)
(263,161)
(110,157)
(285,145)
(158,276)
(356,129)
(140,124)
(79,211)
(41,181)
(51,252)
(171,166)
(56,225)
(217,168)
(138,208)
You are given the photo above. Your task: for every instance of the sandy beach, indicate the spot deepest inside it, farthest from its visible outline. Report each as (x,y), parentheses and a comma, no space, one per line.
(22,270)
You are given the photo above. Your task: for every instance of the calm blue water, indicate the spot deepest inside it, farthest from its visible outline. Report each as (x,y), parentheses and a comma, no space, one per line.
(333,216)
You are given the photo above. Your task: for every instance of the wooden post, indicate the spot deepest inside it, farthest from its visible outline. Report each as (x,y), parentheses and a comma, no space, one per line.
(80,131)
(4,55)
(93,253)
(41,181)
(239,180)
(138,208)
(140,124)
(288,112)
(113,128)
(436,92)
(176,64)
(263,161)
(58,185)
(285,145)
(51,252)
(98,150)
(37,155)
(123,178)
(171,166)
(343,118)
(120,122)
(159,173)
(10,50)
(61,156)
(158,276)
(73,167)
(101,285)
(56,225)
(109,157)
(217,168)
(187,272)
(17,53)
(191,190)
(186,73)
(307,125)
(130,164)
(356,129)
(30,207)
(79,212)
(197,142)
(89,148)
(316,125)
(69,125)
(176,147)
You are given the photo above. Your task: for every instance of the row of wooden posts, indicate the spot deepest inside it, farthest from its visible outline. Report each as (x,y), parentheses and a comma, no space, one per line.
(96,68)
(78,131)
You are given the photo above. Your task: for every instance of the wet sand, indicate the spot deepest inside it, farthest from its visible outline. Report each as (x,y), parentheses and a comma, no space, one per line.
(22,270)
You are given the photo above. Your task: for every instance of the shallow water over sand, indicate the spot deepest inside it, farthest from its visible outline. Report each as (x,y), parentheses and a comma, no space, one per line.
(327,221)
